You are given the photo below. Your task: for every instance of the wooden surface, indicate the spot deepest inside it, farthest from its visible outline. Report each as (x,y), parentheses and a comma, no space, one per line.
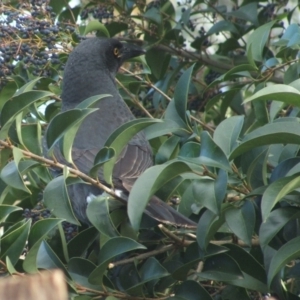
(48,285)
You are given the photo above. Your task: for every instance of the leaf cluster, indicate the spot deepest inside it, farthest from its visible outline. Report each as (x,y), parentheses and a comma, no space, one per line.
(217,95)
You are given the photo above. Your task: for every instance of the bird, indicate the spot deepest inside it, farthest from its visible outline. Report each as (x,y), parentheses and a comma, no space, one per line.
(91,70)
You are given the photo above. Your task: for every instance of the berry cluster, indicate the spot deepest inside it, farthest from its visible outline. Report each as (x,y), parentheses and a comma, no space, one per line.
(101,12)
(30,36)
(156,4)
(202,34)
(211,76)
(196,103)
(39,212)
(268,11)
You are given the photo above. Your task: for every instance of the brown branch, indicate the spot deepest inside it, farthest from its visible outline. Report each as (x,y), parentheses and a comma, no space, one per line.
(142,256)
(73,171)
(179,241)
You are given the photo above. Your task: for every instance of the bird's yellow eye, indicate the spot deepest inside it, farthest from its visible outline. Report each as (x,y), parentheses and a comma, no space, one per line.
(116,52)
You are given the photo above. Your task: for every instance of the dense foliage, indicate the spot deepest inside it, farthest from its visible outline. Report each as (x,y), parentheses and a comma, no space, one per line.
(222,82)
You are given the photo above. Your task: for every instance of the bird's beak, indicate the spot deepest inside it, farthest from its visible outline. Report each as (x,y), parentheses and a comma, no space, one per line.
(130,51)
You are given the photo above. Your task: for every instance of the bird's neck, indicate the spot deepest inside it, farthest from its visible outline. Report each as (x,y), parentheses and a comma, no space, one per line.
(81,86)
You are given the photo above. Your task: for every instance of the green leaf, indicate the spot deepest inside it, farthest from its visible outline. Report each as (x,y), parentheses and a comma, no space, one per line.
(115,27)
(31,137)
(57,200)
(171,114)
(11,174)
(279,92)
(147,184)
(258,40)
(103,156)
(208,225)
(152,269)
(191,290)
(80,269)
(247,263)
(40,230)
(283,132)
(47,259)
(222,26)
(241,70)
(154,15)
(67,121)
(112,248)
(57,6)
(227,133)
(285,254)
(82,241)
(5,210)
(246,12)
(68,133)
(277,219)
(211,154)
(120,138)
(241,221)
(221,267)
(181,94)
(95,25)
(13,243)
(15,106)
(276,191)
(167,150)
(98,214)
(6,92)
(211,193)
(27,87)
(167,126)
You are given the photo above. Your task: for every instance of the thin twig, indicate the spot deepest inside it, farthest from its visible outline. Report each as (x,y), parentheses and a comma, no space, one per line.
(142,256)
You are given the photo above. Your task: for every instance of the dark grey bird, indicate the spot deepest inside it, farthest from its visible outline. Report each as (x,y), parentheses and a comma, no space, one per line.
(91,70)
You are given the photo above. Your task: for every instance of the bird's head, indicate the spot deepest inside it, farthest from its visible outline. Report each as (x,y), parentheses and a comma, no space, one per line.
(116,53)
(104,53)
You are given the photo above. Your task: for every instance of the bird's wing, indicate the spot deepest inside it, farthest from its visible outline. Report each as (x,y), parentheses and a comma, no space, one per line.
(132,162)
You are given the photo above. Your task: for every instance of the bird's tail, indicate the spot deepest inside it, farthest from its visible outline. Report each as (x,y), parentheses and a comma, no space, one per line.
(164,213)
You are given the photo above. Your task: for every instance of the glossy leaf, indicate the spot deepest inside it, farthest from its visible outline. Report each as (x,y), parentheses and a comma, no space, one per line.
(222,268)
(277,219)
(208,225)
(241,221)
(40,229)
(5,210)
(192,290)
(112,248)
(276,191)
(17,104)
(95,25)
(13,243)
(78,246)
(258,39)
(103,156)
(119,139)
(181,94)
(57,200)
(274,133)
(279,92)
(71,120)
(98,214)
(150,181)
(285,254)
(11,175)
(80,269)
(211,154)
